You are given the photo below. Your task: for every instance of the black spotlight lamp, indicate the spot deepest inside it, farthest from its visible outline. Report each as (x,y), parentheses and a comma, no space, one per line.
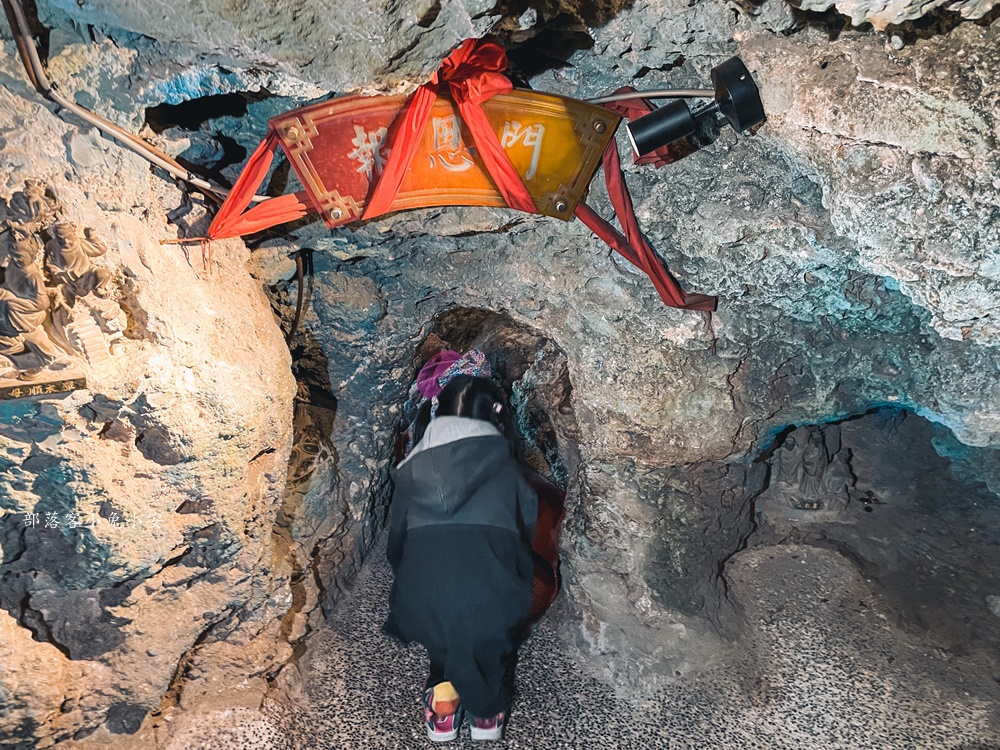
(736,97)
(663,125)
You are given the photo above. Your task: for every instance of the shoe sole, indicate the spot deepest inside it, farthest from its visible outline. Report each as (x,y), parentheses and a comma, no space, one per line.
(485,735)
(442,736)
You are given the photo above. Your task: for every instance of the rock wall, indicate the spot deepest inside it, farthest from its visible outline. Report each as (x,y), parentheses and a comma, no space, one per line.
(848,279)
(339,46)
(138,564)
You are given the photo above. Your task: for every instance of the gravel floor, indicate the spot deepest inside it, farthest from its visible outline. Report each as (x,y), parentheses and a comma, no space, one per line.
(824,669)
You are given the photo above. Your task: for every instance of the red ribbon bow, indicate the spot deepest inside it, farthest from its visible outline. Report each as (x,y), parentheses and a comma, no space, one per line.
(473,73)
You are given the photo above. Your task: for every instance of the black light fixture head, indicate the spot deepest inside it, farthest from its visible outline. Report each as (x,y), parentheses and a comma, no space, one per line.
(664,125)
(736,97)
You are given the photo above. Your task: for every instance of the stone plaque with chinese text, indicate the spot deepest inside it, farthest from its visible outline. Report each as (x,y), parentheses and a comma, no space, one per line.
(50,388)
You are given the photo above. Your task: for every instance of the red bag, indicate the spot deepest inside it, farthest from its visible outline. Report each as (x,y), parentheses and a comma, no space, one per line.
(545,548)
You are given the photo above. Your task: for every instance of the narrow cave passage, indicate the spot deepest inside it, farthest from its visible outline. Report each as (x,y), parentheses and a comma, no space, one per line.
(532,369)
(532,373)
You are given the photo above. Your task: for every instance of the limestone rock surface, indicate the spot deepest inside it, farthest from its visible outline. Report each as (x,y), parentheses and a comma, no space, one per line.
(137,513)
(339,46)
(881,14)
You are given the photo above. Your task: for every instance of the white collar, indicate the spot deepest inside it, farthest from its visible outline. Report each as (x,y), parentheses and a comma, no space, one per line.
(447,429)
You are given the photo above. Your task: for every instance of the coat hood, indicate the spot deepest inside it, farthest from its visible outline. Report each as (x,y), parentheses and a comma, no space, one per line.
(456,459)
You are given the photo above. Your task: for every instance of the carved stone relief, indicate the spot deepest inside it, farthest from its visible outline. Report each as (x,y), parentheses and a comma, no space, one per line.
(810,471)
(58,312)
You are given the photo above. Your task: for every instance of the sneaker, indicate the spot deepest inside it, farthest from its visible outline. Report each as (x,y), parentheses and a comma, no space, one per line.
(490,728)
(440,728)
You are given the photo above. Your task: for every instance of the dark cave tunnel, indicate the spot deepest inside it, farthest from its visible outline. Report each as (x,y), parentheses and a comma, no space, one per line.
(915,510)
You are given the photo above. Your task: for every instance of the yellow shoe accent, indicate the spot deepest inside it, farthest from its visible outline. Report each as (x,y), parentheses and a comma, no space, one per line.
(445,701)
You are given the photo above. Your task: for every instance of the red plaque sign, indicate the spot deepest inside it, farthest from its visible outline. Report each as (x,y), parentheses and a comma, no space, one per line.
(338,149)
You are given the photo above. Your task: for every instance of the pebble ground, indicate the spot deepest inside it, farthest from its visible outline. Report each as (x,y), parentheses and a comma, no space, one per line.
(823,668)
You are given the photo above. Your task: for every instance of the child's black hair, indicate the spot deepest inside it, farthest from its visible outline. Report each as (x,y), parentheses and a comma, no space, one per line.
(475,398)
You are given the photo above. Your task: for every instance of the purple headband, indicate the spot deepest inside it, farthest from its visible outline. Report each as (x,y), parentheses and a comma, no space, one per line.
(435,367)
(448,365)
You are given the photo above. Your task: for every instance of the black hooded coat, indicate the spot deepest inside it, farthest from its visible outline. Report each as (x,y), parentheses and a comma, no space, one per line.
(460,530)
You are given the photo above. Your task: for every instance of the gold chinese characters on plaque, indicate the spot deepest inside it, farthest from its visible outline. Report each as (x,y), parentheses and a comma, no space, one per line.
(51,388)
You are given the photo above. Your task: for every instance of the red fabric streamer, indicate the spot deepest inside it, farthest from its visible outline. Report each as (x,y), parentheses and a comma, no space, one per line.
(473,73)
(633,246)
(232,222)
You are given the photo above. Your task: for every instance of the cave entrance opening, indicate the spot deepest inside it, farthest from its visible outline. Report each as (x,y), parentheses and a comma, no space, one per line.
(532,369)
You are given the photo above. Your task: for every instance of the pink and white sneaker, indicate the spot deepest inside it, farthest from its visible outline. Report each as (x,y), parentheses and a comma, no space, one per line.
(490,728)
(440,728)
